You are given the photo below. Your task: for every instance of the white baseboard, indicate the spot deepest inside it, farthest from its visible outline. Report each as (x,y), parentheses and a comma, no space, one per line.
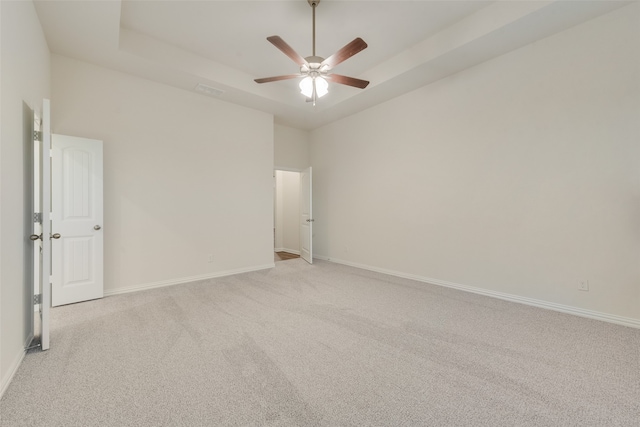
(13,368)
(181,280)
(29,340)
(576,311)
(278,249)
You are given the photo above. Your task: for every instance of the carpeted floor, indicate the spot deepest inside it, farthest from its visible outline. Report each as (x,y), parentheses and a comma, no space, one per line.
(324,345)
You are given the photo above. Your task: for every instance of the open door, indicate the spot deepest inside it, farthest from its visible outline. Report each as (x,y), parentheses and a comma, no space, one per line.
(42,224)
(77,219)
(306,219)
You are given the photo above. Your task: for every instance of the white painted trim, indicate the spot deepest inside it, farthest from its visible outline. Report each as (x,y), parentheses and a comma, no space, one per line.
(576,311)
(182,280)
(4,384)
(278,249)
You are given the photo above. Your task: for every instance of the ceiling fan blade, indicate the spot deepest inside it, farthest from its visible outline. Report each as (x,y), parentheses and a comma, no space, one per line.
(349,81)
(277,78)
(345,53)
(287,50)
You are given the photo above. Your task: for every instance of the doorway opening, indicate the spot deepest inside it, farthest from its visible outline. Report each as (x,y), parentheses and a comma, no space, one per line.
(286,227)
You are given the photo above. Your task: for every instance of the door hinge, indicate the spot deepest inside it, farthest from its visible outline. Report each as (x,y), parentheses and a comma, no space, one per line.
(37,217)
(51,153)
(37,135)
(37,299)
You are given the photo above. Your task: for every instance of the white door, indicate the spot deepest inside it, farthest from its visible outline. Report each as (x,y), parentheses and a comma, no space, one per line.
(42,228)
(76,215)
(306,219)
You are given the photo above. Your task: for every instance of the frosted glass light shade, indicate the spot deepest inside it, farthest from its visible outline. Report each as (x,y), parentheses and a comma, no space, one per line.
(306,86)
(322,87)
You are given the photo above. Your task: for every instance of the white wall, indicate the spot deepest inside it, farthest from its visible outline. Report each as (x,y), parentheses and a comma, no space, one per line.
(520,175)
(24,84)
(185,175)
(288,211)
(291,148)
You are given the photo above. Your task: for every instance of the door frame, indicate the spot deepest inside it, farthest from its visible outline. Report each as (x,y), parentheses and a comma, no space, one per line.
(31,123)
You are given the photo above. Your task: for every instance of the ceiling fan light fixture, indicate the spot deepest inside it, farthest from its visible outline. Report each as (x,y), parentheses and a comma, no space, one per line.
(308,83)
(322,87)
(306,87)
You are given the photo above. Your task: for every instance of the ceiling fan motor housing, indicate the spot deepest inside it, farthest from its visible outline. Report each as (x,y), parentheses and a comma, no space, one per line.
(314,67)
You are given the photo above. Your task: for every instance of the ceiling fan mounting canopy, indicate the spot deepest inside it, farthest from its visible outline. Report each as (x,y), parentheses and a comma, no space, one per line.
(314,59)
(315,69)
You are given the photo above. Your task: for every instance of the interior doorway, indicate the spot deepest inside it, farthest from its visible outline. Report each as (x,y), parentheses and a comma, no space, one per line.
(286,214)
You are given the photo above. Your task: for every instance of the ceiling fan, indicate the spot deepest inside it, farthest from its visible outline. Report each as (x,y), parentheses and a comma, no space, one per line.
(315,69)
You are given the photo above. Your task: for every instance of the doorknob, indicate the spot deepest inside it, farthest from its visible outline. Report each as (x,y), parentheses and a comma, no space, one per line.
(55,236)
(310,220)
(97,227)
(35,237)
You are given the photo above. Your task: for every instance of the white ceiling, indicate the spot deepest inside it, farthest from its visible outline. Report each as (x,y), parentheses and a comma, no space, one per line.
(223,44)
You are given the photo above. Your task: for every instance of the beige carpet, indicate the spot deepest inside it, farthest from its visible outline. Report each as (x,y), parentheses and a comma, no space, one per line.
(324,345)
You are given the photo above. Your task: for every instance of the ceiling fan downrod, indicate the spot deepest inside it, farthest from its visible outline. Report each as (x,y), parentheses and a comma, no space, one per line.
(313,4)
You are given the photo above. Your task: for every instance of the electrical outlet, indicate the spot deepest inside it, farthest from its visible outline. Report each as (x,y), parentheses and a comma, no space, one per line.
(583,285)
(210,258)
